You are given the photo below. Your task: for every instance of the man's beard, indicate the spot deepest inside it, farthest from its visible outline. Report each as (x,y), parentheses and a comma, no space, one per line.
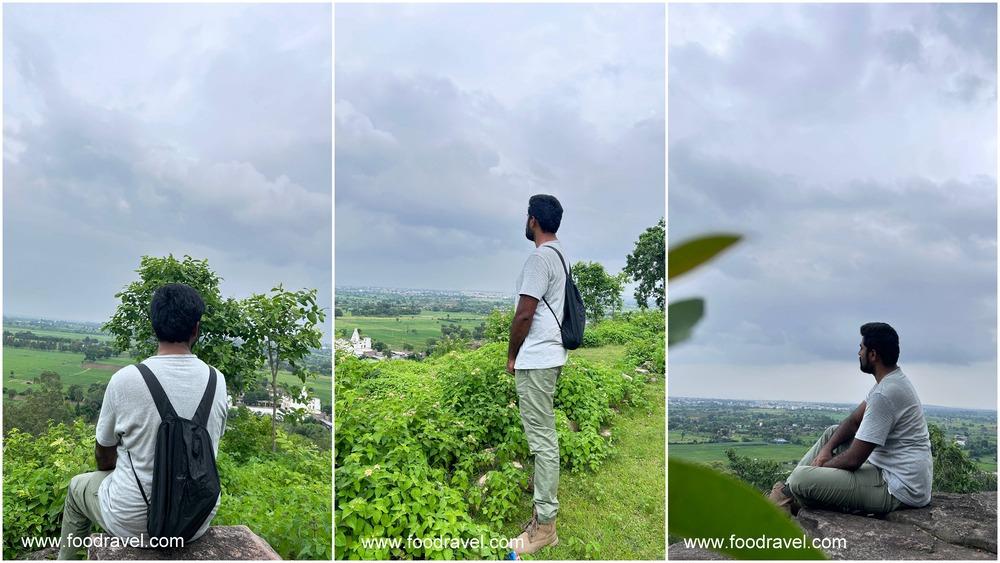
(866,369)
(529,234)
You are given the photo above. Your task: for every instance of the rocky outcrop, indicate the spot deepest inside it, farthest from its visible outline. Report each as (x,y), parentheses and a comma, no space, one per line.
(953,526)
(225,543)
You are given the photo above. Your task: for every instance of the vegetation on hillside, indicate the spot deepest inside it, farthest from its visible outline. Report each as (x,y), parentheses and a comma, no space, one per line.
(436,448)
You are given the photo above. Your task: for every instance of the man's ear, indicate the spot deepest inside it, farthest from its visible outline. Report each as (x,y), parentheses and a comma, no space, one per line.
(197,332)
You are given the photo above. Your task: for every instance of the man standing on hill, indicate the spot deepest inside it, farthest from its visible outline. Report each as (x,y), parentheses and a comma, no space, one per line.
(879,458)
(129,420)
(535,357)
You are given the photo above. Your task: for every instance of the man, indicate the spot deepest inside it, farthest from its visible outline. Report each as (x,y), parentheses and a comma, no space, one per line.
(110,496)
(879,458)
(535,357)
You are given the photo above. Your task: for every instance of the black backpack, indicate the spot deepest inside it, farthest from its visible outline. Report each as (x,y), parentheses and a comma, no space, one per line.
(185,479)
(574,316)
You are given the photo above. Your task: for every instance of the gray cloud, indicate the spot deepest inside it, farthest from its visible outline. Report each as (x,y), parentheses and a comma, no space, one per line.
(852,145)
(207,133)
(436,158)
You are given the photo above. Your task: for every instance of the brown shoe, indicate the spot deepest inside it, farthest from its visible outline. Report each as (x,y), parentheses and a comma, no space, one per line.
(534,536)
(783,498)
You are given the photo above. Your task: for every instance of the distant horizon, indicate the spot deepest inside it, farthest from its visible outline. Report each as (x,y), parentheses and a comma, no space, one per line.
(677,397)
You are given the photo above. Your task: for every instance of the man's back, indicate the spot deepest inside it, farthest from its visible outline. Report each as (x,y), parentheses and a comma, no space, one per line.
(543,276)
(129,412)
(894,420)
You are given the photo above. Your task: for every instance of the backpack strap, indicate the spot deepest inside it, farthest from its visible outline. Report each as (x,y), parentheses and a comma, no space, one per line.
(163,405)
(205,406)
(568,277)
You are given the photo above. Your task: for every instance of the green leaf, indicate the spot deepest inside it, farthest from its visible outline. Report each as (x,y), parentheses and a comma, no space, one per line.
(691,254)
(707,504)
(681,318)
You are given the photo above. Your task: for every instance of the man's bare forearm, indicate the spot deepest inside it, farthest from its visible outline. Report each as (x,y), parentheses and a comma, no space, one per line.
(106,457)
(844,432)
(519,328)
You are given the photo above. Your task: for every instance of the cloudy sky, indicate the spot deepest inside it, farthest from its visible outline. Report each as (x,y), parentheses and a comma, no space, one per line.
(147,129)
(448,117)
(855,148)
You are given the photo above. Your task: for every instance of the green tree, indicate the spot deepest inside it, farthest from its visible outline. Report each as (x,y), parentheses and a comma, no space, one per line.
(601,291)
(646,266)
(283,327)
(223,327)
(44,405)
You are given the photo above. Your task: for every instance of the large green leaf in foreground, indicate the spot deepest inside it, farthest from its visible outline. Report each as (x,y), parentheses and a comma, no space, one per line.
(692,253)
(681,318)
(707,504)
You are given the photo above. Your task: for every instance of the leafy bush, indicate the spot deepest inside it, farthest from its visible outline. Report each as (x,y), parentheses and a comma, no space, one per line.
(760,473)
(433,448)
(954,472)
(36,474)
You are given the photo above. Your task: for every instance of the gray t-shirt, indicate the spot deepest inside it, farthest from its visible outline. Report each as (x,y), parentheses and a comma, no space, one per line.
(129,420)
(894,420)
(543,276)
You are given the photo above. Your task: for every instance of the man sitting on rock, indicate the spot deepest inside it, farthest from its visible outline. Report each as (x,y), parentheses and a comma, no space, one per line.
(128,423)
(879,458)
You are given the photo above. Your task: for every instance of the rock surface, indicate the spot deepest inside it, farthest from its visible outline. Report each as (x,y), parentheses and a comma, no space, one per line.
(225,543)
(953,526)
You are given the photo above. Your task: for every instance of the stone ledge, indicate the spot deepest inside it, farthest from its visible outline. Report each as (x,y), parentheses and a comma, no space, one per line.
(953,526)
(225,543)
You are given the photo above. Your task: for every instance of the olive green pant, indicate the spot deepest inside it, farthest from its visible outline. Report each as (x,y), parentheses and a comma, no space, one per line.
(864,489)
(80,511)
(535,391)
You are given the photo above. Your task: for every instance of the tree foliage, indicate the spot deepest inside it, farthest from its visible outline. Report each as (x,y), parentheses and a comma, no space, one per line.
(601,291)
(222,326)
(646,266)
(283,327)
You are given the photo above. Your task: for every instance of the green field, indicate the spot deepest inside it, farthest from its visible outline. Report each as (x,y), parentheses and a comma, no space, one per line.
(60,333)
(707,453)
(405,329)
(21,365)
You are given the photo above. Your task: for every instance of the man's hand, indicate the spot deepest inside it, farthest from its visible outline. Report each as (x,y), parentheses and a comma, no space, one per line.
(510,366)
(822,457)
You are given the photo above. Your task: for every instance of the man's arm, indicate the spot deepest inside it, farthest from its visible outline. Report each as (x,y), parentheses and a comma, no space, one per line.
(852,458)
(847,429)
(519,327)
(106,456)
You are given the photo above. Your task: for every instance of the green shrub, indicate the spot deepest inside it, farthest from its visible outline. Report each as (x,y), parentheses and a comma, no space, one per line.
(414,439)
(760,473)
(954,472)
(36,474)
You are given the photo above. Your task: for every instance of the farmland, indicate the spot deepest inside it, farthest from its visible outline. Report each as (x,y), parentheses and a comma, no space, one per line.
(405,329)
(701,430)
(24,365)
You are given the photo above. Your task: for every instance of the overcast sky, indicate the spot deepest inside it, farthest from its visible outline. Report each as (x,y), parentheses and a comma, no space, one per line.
(448,117)
(855,148)
(150,129)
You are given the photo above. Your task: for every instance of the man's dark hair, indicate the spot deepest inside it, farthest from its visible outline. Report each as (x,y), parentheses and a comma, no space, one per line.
(174,311)
(883,339)
(547,211)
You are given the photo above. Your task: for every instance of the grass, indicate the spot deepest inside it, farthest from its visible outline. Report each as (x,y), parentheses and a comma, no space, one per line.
(707,453)
(406,329)
(616,512)
(21,365)
(604,354)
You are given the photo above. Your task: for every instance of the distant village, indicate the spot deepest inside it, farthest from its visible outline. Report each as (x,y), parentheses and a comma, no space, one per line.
(287,404)
(361,346)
